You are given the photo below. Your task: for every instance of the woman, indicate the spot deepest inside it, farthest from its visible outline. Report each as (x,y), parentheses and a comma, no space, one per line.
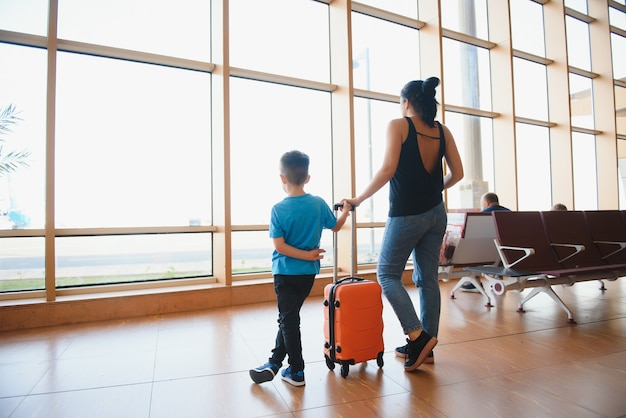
(413,162)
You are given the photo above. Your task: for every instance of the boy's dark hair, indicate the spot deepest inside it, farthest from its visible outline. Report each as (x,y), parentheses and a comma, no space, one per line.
(294,165)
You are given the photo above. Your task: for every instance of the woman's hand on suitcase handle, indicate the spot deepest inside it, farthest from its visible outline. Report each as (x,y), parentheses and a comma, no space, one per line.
(354,202)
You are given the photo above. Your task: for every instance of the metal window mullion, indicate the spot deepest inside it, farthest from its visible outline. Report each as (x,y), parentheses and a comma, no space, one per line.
(49,246)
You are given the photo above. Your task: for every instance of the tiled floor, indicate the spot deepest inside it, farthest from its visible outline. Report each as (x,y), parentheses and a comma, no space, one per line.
(489,363)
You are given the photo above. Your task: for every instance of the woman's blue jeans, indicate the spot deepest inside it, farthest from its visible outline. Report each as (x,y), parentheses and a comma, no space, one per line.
(421,236)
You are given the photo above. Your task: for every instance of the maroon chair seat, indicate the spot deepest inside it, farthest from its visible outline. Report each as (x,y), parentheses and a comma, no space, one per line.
(608,231)
(525,230)
(570,228)
(525,240)
(530,260)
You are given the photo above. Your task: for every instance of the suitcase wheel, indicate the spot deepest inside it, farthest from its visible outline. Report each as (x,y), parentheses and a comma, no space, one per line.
(379,360)
(329,363)
(345,368)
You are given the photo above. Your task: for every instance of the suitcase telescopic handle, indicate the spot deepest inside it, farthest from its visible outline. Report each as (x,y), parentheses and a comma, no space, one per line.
(336,207)
(340,205)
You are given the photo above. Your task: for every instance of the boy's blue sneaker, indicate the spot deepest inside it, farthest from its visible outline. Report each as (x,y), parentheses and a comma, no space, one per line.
(296,379)
(264,373)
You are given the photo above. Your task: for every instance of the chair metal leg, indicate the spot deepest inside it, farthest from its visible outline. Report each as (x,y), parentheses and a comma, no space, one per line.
(471,279)
(550,292)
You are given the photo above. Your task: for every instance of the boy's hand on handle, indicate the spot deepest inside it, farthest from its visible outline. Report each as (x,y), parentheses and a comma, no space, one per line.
(344,206)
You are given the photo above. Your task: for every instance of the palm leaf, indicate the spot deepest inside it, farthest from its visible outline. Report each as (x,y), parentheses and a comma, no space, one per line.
(8,117)
(13,160)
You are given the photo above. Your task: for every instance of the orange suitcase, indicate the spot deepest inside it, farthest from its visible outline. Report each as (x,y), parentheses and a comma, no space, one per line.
(353,319)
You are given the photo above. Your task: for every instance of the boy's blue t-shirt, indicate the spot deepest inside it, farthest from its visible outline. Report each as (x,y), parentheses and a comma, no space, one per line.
(300,220)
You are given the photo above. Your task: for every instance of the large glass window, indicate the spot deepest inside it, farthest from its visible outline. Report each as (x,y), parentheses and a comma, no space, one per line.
(259,138)
(578,5)
(370,125)
(112,259)
(182,31)
(470,87)
(137,155)
(534,190)
(368,246)
(527,27)
(286,37)
(22,264)
(22,137)
(385,55)
(252,252)
(134,147)
(26,16)
(578,46)
(584,158)
(466,16)
(474,138)
(618,46)
(531,89)
(401,7)
(581,101)
(617,18)
(620,110)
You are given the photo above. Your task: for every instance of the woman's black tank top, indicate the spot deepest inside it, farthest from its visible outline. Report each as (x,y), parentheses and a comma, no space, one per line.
(413,190)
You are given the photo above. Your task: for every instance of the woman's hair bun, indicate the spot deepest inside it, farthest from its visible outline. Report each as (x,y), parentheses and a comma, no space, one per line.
(429,85)
(421,95)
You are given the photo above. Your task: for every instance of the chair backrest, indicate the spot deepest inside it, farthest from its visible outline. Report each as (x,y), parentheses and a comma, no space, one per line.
(569,227)
(476,246)
(479,225)
(525,229)
(608,226)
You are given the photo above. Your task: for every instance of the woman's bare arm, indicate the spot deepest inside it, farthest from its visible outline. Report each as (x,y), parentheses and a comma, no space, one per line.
(453,161)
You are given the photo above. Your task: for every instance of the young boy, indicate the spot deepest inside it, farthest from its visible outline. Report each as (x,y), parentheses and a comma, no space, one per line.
(296,228)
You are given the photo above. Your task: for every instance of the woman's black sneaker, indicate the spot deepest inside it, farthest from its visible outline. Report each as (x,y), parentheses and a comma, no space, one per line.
(403,351)
(418,350)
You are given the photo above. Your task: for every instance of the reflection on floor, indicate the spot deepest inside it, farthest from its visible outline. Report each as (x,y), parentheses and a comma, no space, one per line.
(489,363)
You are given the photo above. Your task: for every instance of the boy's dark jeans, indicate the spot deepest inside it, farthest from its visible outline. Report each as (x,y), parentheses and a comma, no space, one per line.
(291,291)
